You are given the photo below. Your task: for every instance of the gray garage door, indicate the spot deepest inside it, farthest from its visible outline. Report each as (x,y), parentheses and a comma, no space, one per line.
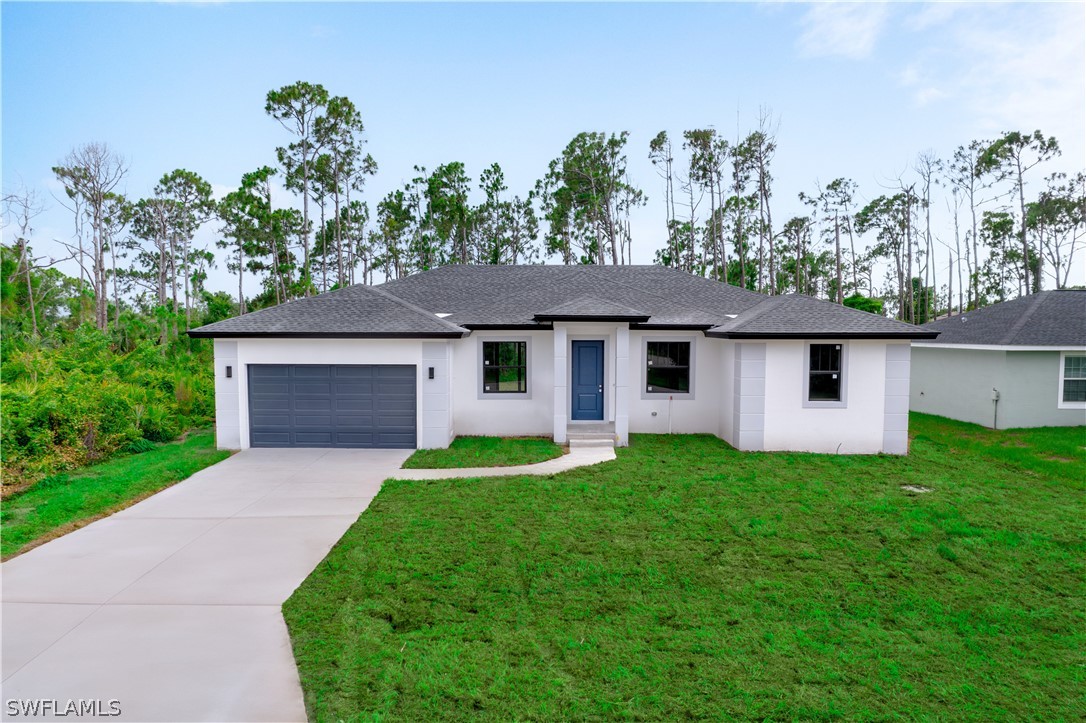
(322,405)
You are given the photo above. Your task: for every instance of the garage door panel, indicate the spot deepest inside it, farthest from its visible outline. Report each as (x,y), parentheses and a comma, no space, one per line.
(312,371)
(270,439)
(354,372)
(355,389)
(396,405)
(396,441)
(270,404)
(264,419)
(313,420)
(313,389)
(357,421)
(266,387)
(355,439)
(265,371)
(353,404)
(313,439)
(314,405)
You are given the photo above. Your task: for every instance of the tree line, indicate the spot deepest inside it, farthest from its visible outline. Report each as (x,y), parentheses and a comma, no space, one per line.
(1015,227)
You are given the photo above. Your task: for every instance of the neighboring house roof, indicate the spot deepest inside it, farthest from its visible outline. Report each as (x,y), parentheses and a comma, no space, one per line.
(797,316)
(352,312)
(1047,318)
(451,300)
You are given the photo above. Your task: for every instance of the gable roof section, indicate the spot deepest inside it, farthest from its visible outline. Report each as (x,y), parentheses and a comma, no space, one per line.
(352,312)
(589,308)
(1047,318)
(794,316)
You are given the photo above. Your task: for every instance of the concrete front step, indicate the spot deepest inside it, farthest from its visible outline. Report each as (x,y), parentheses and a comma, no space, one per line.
(575,442)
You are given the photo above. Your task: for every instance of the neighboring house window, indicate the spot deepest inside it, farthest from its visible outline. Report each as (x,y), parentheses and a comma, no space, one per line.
(505,367)
(825,375)
(667,367)
(1073,380)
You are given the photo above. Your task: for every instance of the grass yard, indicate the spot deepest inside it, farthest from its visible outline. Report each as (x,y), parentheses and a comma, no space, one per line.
(688,580)
(485,452)
(61,503)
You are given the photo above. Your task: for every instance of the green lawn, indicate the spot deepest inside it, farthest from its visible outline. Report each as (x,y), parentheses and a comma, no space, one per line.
(63,502)
(485,452)
(688,580)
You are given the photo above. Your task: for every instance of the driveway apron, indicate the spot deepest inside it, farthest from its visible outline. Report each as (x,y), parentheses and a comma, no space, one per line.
(170,609)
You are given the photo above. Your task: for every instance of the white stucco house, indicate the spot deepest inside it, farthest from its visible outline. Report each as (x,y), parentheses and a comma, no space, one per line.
(1021,363)
(561,351)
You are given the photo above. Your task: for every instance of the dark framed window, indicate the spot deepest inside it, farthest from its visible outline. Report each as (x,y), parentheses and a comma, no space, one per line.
(1074,378)
(505,367)
(824,382)
(667,367)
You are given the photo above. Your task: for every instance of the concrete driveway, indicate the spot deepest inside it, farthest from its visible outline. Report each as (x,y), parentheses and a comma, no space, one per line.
(172,607)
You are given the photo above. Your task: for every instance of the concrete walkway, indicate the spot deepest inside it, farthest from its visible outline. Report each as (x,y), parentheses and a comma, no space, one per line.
(172,606)
(577,457)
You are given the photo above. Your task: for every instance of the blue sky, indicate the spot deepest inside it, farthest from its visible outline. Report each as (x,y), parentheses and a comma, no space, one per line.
(858,89)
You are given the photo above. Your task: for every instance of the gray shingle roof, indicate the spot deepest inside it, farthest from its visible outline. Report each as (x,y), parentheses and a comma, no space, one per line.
(354,311)
(514,296)
(479,296)
(589,307)
(794,315)
(1047,318)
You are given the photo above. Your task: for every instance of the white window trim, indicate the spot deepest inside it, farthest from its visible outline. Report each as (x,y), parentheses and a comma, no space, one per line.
(693,341)
(1059,398)
(806,365)
(507,396)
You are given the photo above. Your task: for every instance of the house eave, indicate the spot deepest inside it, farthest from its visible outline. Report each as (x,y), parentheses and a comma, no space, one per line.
(1000,347)
(822,335)
(510,327)
(672,327)
(197,334)
(590,317)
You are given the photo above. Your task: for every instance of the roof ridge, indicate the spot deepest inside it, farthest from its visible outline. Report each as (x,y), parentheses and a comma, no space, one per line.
(418,310)
(767,305)
(1017,326)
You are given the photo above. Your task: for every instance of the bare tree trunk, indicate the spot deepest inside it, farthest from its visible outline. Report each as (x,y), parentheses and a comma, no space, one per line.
(837,254)
(950,287)
(241,278)
(911,318)
(116,289)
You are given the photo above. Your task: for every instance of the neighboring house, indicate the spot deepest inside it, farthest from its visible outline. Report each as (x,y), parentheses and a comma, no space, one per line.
(561,351)
(1021,363)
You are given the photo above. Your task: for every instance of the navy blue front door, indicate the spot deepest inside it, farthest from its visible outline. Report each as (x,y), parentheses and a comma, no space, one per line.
(587,383)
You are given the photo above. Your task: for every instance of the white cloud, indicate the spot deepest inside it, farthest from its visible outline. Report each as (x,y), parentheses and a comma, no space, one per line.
(1024,69)
(932,14)
(849,30)
(925,89)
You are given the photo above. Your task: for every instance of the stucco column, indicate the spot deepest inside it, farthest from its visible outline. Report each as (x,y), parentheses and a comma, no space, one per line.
(748,427)
(227,395)
(561,387)
(436,424)
(622,385)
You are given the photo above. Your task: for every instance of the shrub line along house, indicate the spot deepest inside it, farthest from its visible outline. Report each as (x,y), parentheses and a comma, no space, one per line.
(559,351)
(1020,363)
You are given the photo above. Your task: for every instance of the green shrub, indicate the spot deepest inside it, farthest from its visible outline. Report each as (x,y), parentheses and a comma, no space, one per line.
(864,303)
(77,396)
